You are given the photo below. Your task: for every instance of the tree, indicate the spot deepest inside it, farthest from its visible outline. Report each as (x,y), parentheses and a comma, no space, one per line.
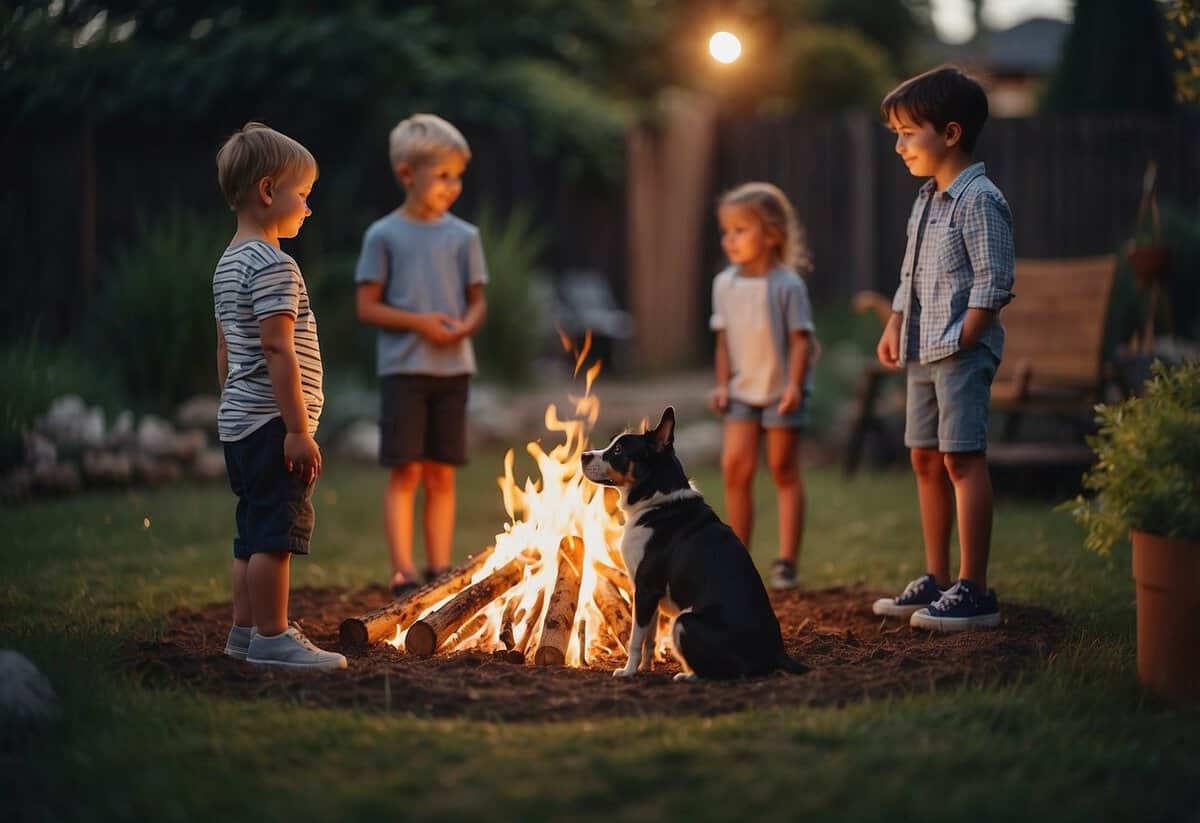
(1114,59)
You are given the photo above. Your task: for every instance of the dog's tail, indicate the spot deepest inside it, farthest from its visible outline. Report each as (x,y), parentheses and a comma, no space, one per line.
(789,664)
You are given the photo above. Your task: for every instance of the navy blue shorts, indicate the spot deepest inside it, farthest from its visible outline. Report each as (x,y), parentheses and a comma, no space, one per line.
(423,418)
(274,508)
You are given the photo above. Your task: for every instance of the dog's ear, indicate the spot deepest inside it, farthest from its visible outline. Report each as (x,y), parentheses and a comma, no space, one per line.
(664,432)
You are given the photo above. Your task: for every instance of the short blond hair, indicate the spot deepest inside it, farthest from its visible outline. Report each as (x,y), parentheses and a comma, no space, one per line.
(772,207)
(256,151)
(423,137)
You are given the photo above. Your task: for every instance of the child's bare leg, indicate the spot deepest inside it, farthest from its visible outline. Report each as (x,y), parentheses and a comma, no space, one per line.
(973,492)
(267,579)
(243,614)
(440,501)
(937,510)
(783,459)
(398,503)
(739,458)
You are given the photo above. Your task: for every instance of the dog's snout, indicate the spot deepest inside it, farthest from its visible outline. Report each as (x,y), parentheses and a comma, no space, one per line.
(588,457)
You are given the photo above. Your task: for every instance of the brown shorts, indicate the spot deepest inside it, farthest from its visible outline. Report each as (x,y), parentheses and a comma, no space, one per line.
(423,418)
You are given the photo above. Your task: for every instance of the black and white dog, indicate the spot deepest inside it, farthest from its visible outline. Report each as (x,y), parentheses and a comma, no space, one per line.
(680,555)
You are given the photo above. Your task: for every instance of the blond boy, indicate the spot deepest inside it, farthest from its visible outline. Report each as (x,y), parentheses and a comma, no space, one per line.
(269,365)
(420,280)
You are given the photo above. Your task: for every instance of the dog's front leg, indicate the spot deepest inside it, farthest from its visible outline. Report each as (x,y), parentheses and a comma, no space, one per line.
(641,639)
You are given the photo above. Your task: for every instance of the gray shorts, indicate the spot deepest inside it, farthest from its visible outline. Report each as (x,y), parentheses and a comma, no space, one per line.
(947,405)
(768,416)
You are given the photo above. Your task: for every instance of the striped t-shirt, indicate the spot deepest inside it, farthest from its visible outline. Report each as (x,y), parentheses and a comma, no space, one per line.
(253,281)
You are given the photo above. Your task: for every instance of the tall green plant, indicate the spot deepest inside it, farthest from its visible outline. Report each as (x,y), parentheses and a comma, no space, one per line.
(155,322)
(1147,471)
(508,342)
(34,373)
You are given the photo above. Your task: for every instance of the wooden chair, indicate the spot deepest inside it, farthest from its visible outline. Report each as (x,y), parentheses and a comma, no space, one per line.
(1054,333)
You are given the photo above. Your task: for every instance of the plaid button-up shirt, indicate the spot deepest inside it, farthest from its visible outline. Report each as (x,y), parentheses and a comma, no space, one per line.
(964,260)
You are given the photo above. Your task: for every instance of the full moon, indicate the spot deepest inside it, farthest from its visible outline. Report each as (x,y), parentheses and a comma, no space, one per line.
(724,47)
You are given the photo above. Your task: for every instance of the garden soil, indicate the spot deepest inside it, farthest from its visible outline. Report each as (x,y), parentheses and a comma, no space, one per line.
(853,655)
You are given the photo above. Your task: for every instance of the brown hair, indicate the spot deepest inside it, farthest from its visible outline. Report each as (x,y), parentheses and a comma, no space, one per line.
(941,96)
(256,151)
(771,206)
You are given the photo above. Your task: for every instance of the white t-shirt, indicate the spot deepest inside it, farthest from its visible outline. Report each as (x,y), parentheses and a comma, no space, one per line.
(740,309)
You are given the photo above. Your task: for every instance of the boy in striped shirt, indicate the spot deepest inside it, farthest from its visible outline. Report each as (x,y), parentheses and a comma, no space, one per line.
(269,365)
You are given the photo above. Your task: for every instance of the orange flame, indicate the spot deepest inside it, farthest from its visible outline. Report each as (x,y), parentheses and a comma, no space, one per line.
(541,513)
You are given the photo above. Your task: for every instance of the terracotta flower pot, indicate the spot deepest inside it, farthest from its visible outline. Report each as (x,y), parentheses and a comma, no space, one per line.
(1167,572)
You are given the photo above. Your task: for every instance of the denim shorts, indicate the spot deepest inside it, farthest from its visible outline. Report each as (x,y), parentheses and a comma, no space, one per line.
(423,417)
(768,417)
(947,404)
(274,506)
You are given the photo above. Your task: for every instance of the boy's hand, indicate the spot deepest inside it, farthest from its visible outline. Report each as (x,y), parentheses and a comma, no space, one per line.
(888,350)
(438,329)
(718,399)
(790,401)
(302,456)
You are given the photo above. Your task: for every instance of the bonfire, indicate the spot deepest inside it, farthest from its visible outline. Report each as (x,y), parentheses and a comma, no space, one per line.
(553,589)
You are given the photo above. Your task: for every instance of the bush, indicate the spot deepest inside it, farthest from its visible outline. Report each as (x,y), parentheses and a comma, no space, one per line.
(34,374)
(1147,471)
(827,69)
(154,324)
(509,341)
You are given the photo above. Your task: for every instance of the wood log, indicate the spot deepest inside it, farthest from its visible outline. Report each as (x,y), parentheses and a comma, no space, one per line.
(560,612)
(531,622)
(617,576)
(381,624)
(427,634)
(615,610)
(506,623)
(464,634)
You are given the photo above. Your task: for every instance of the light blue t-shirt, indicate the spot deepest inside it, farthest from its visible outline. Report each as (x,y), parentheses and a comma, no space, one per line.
(424,267)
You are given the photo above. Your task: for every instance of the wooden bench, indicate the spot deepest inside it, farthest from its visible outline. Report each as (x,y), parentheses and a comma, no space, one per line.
(1052,364)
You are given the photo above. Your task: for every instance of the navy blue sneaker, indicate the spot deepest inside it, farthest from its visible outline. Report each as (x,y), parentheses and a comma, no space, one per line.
(918,594)
(962,606)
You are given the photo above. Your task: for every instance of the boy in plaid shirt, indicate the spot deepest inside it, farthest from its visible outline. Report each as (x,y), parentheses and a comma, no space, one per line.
(945,329)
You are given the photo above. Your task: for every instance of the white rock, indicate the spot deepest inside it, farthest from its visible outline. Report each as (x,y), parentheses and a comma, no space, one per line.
(122,433)
(209,464)
(107,468)
(359,440)
(71,424)
(198,412)
(155,436)
(56,478)
(39,450)
(24,691)
(190,443)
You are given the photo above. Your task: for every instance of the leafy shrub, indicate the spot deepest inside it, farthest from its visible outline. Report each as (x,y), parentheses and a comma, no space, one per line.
(154,324)
(34,374)
(1147,471)
(827,69)
(509,341)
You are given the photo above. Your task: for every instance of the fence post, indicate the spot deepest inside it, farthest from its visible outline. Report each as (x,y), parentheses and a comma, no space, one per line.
(669,181)
(863,225)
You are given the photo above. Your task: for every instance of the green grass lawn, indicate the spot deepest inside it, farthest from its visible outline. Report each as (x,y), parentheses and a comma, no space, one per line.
(1075,741)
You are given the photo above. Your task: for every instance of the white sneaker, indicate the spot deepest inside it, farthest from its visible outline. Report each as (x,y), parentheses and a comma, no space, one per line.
(292,650)
(239,641)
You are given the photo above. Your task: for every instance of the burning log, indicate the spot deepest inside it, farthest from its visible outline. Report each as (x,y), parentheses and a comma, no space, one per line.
(382,623)
(506,624)
(615,576)
(615,610)
(560,613)
(531,621)
(427,634)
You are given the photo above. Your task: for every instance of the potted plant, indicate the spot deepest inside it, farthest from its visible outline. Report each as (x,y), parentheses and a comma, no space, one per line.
(1146,482)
